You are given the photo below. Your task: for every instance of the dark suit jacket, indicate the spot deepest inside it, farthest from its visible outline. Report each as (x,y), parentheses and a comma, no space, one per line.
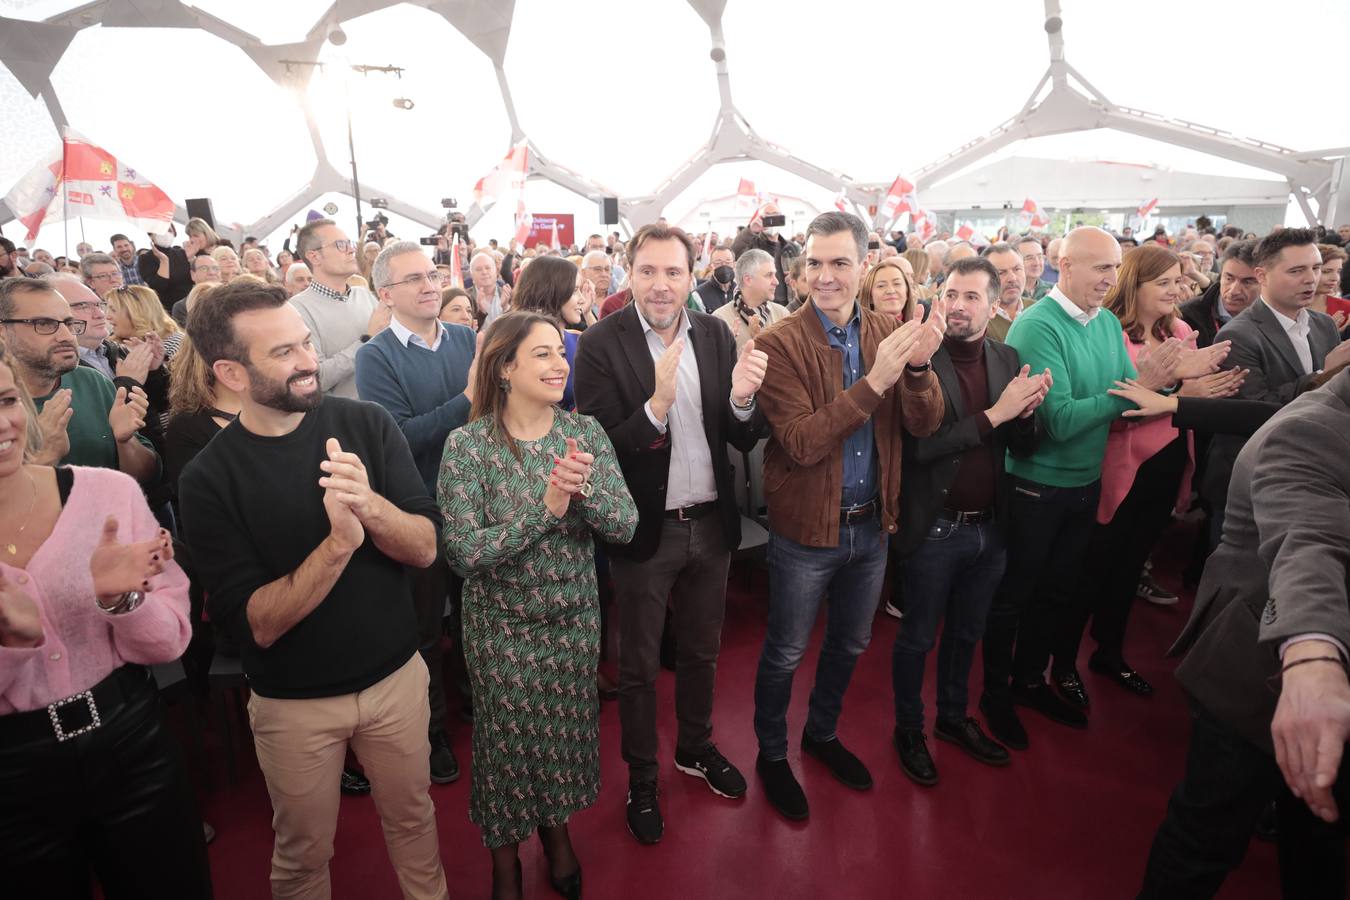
(1199,314)
(1281,569)
(616,376)
(1261,345)
(930,463)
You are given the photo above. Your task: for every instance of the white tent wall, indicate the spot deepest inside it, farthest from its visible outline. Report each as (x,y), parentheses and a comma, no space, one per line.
(222,103)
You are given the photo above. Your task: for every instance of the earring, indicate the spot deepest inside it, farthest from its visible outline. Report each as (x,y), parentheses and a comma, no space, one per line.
(505,385)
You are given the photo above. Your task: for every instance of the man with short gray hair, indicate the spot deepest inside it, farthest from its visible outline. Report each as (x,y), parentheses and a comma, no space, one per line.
(100,272)
(490,295)
(297,278)
(421,370)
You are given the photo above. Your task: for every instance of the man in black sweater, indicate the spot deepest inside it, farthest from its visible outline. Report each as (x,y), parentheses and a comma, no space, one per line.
(301,516)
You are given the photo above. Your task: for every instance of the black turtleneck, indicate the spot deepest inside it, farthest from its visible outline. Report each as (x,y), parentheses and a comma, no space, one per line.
(973,488)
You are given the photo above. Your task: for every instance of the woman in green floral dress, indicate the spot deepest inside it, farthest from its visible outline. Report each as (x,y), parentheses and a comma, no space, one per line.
(522,487)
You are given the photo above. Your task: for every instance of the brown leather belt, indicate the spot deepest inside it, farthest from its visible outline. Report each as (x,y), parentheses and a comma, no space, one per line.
(851,514)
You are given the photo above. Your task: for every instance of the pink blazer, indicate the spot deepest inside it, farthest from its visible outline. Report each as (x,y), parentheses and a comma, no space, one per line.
(1132,441)
(83,645)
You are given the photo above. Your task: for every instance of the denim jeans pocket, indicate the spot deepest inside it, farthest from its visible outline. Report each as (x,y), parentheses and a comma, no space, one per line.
(941,530)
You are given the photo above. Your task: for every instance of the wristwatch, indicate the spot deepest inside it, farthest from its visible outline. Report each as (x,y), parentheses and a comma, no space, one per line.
(918,370)
(749,403)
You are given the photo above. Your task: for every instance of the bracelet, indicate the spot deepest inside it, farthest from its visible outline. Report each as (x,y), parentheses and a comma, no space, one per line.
(749,404)
(1312,659)
(123,605)
(918,370)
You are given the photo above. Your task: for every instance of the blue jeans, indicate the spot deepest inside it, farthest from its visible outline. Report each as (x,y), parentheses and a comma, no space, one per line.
(952,576)
(799,576)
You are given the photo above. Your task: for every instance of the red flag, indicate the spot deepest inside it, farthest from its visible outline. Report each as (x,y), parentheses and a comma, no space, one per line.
(746,197)
(1143,211)
(456,265)
(900,198)
(86,180)
(840,200)
(1036,218)
(965,232)
(506,178)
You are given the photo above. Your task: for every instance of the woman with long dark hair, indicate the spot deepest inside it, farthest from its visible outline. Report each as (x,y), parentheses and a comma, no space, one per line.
(1145,476)
(91,782)
(523,487)
(548,285)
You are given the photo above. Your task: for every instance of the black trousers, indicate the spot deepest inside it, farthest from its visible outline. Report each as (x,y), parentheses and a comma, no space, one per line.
(115,802)
(1116,556)
(1212,813)
(1048,532)
(430,588)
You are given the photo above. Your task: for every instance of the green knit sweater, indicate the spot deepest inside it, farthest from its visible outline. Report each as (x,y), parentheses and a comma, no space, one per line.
(1084,361)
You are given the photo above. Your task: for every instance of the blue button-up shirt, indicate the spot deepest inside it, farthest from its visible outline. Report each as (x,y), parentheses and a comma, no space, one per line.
(130,274)
(860,449)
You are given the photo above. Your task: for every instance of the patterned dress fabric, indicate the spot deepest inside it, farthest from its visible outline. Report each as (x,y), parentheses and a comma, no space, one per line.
(531,619)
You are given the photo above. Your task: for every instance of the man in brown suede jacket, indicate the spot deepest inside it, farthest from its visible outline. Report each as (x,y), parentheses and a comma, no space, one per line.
(842,381)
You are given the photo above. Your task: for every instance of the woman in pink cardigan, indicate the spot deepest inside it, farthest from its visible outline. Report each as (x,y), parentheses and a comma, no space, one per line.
(90,780)
(1146,473)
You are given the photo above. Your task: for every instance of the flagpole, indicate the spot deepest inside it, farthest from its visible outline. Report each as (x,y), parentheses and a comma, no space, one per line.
(65,198)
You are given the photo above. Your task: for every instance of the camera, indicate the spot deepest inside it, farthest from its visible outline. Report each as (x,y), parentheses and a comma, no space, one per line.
(449,203)
(774,221)
(874,245)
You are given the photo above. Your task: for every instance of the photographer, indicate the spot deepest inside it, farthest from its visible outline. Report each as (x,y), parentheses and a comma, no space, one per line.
(764,233)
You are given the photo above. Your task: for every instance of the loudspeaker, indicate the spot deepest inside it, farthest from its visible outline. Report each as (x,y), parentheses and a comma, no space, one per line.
(200,208)
(609,210)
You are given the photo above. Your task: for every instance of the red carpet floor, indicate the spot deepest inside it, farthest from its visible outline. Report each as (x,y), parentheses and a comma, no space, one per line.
(1072,817)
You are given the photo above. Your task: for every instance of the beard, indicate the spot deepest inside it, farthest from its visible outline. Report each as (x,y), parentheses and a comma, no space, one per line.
(961,329)
(277,395)
(44,363)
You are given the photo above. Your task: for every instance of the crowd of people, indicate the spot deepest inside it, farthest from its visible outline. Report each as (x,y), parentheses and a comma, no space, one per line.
(327,460)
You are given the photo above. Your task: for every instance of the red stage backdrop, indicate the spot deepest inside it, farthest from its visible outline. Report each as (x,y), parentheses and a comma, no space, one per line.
(541,231)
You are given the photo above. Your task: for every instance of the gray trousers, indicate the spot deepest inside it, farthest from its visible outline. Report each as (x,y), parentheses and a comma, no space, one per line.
(689,571)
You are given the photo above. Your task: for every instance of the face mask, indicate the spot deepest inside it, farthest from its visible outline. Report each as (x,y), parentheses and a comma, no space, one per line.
(162,240)
(724,274)
(773,229)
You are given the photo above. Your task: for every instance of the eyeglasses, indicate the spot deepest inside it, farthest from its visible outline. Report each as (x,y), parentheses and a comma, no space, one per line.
(106,276)
(435,279)
(43,325)
(88,306)
(342,245)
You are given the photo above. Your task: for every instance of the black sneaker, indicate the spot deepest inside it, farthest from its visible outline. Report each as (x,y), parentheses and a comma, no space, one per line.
(724,779)
(444,766)
(1040,698)
(644,813)
(782,789)
(1153,592)
(843,765)
(966,734)
(915,760)
(354,784)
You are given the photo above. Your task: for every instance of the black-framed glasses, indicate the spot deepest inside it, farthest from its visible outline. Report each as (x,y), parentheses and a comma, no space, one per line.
(44,325)
(341,245)
(436,279)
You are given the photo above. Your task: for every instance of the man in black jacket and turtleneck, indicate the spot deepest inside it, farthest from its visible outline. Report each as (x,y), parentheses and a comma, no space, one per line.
(721,284)
(952,514)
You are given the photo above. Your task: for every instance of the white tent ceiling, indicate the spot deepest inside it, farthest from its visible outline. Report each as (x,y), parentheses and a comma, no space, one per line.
(625,94)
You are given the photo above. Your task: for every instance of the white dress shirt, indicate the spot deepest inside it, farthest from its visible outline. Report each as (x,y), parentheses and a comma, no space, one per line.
(1298,329)
(407,338)
(1073,309)
(690,479)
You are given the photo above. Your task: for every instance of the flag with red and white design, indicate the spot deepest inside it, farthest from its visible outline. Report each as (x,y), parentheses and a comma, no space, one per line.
(1143,211)
(1035,218)
(456,266)
(924,223)
(841,201)
(82,179)
(747,198)
(507,178)
(524,221)
(900,198)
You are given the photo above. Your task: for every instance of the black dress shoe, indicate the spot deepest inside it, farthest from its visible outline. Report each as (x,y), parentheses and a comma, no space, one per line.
(966,734)
(1122,675)
(843,765)
(915,760)
(1003,723)
(354,784)
(1040,698)
(782,789)
(1070,687)
(444,766)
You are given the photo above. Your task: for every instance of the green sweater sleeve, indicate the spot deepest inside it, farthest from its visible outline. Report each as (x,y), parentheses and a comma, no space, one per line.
(1077,402)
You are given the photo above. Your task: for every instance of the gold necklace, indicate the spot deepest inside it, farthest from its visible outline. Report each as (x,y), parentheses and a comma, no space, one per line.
(13,548)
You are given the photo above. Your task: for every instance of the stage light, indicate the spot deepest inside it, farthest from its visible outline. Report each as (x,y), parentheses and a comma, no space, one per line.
(403,103)
(336,36)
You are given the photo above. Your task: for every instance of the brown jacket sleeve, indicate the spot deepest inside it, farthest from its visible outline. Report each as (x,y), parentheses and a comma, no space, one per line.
(921,404)
(806,433)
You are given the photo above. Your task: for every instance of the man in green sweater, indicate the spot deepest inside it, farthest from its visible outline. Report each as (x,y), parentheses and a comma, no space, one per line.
(1056,489)
(85,419)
